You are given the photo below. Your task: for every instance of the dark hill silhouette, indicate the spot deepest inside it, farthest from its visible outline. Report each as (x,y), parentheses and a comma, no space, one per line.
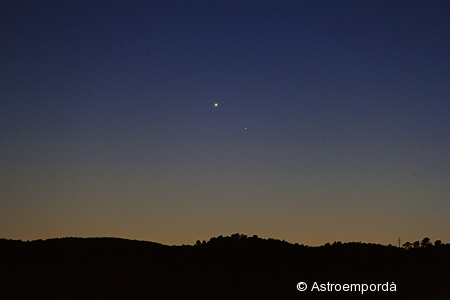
(234,267)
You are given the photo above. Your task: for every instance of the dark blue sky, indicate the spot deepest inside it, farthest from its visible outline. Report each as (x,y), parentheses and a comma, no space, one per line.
(108,125)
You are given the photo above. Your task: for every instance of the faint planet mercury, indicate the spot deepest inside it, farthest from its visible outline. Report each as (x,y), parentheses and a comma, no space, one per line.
(216,104)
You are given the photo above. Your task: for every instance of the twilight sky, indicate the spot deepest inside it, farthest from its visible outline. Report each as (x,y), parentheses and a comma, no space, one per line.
(325,110)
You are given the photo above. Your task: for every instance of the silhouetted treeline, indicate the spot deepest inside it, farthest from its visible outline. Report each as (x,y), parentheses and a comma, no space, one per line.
(233,267)
(425,243)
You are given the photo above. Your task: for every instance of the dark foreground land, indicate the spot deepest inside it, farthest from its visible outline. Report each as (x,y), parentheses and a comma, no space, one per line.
(236,267)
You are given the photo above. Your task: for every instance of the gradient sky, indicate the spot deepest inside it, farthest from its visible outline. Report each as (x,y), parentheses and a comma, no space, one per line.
(108,125)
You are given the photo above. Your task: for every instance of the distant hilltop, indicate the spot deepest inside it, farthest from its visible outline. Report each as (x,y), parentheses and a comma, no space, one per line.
(233,239)
(231,267)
